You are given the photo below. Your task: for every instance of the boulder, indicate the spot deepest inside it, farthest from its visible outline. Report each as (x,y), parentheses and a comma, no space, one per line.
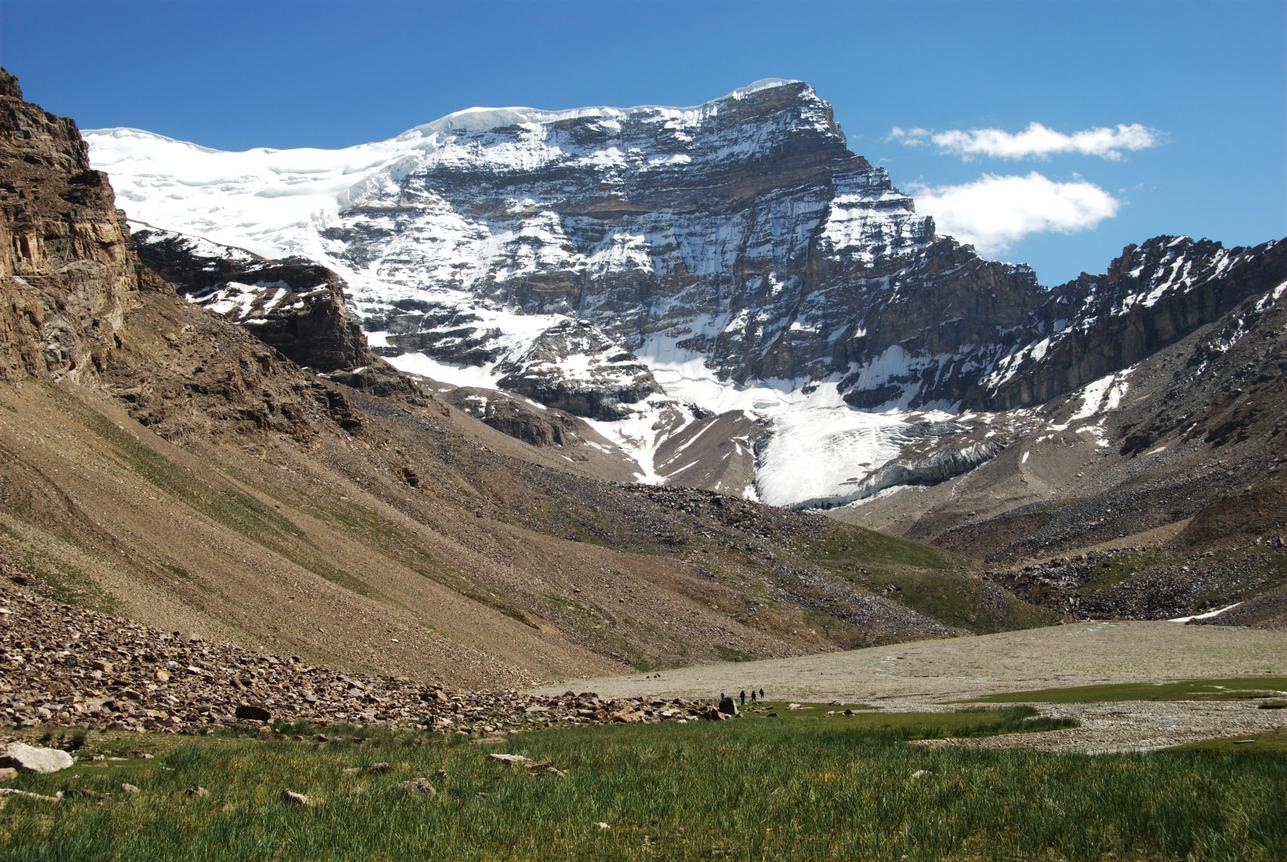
(628,716)
(29,758)
(247,712)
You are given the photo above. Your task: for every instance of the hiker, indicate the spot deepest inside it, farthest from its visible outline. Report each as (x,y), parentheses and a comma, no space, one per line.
(743,695)
(761,694)
(752,695)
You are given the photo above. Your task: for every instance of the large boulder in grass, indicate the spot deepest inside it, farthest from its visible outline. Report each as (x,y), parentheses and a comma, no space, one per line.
(29,758)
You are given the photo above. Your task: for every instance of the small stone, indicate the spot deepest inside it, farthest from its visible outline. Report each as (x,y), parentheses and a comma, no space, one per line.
(920,773)
(300,799)
(379,767)
(510,759)
(29,758)
(197,791)
(546,766)
(8,773)
(129,788)
(419,787)
(162,675)
(100,665)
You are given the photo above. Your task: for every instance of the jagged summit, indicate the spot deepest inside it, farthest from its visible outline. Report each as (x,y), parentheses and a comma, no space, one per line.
(481,119)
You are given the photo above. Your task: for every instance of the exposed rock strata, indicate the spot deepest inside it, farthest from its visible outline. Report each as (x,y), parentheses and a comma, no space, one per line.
(67,274)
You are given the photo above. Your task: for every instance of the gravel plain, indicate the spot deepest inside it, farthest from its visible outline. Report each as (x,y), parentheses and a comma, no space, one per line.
(932,674)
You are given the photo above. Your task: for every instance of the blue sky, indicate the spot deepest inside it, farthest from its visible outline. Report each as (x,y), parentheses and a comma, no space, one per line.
(1205,81)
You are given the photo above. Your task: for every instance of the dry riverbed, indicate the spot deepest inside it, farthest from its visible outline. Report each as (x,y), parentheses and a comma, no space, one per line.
(931,675)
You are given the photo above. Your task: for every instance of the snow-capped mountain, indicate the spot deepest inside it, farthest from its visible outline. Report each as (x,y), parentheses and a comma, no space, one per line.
(652,268)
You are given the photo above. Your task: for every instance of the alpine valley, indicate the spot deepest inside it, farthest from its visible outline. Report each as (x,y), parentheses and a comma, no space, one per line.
(520,395)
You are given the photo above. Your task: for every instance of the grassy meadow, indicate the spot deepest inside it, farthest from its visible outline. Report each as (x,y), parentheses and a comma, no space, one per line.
(804,785)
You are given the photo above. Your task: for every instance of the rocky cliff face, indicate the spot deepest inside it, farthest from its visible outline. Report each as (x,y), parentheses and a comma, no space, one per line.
(294,305)
(1151,296)
(67,272)
(575,367)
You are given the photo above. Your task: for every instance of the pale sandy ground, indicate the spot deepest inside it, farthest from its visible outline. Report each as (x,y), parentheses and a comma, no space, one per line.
(928,674)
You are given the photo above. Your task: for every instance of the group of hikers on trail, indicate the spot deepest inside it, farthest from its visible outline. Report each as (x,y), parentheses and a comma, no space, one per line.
(742,696)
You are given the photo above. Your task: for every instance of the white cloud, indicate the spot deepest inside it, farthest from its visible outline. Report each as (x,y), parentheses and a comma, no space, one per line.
(993,212)
(911,137)
(1036,141)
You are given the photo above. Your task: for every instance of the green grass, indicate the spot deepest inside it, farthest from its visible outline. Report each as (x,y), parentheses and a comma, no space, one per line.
(877,551)
(923,578)
(796,787)
(1274,741)
(1120,568)
(44,554)
(1243,688)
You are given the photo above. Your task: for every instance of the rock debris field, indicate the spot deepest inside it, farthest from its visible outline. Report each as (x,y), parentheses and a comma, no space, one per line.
(64,666)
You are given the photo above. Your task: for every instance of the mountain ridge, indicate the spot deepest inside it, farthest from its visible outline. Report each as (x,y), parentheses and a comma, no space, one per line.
(744,258)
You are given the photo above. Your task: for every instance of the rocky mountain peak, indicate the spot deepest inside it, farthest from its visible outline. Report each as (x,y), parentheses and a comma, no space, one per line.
(9,86)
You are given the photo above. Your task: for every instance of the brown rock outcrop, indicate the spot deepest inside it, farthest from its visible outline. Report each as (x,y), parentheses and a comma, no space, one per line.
(67,271)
